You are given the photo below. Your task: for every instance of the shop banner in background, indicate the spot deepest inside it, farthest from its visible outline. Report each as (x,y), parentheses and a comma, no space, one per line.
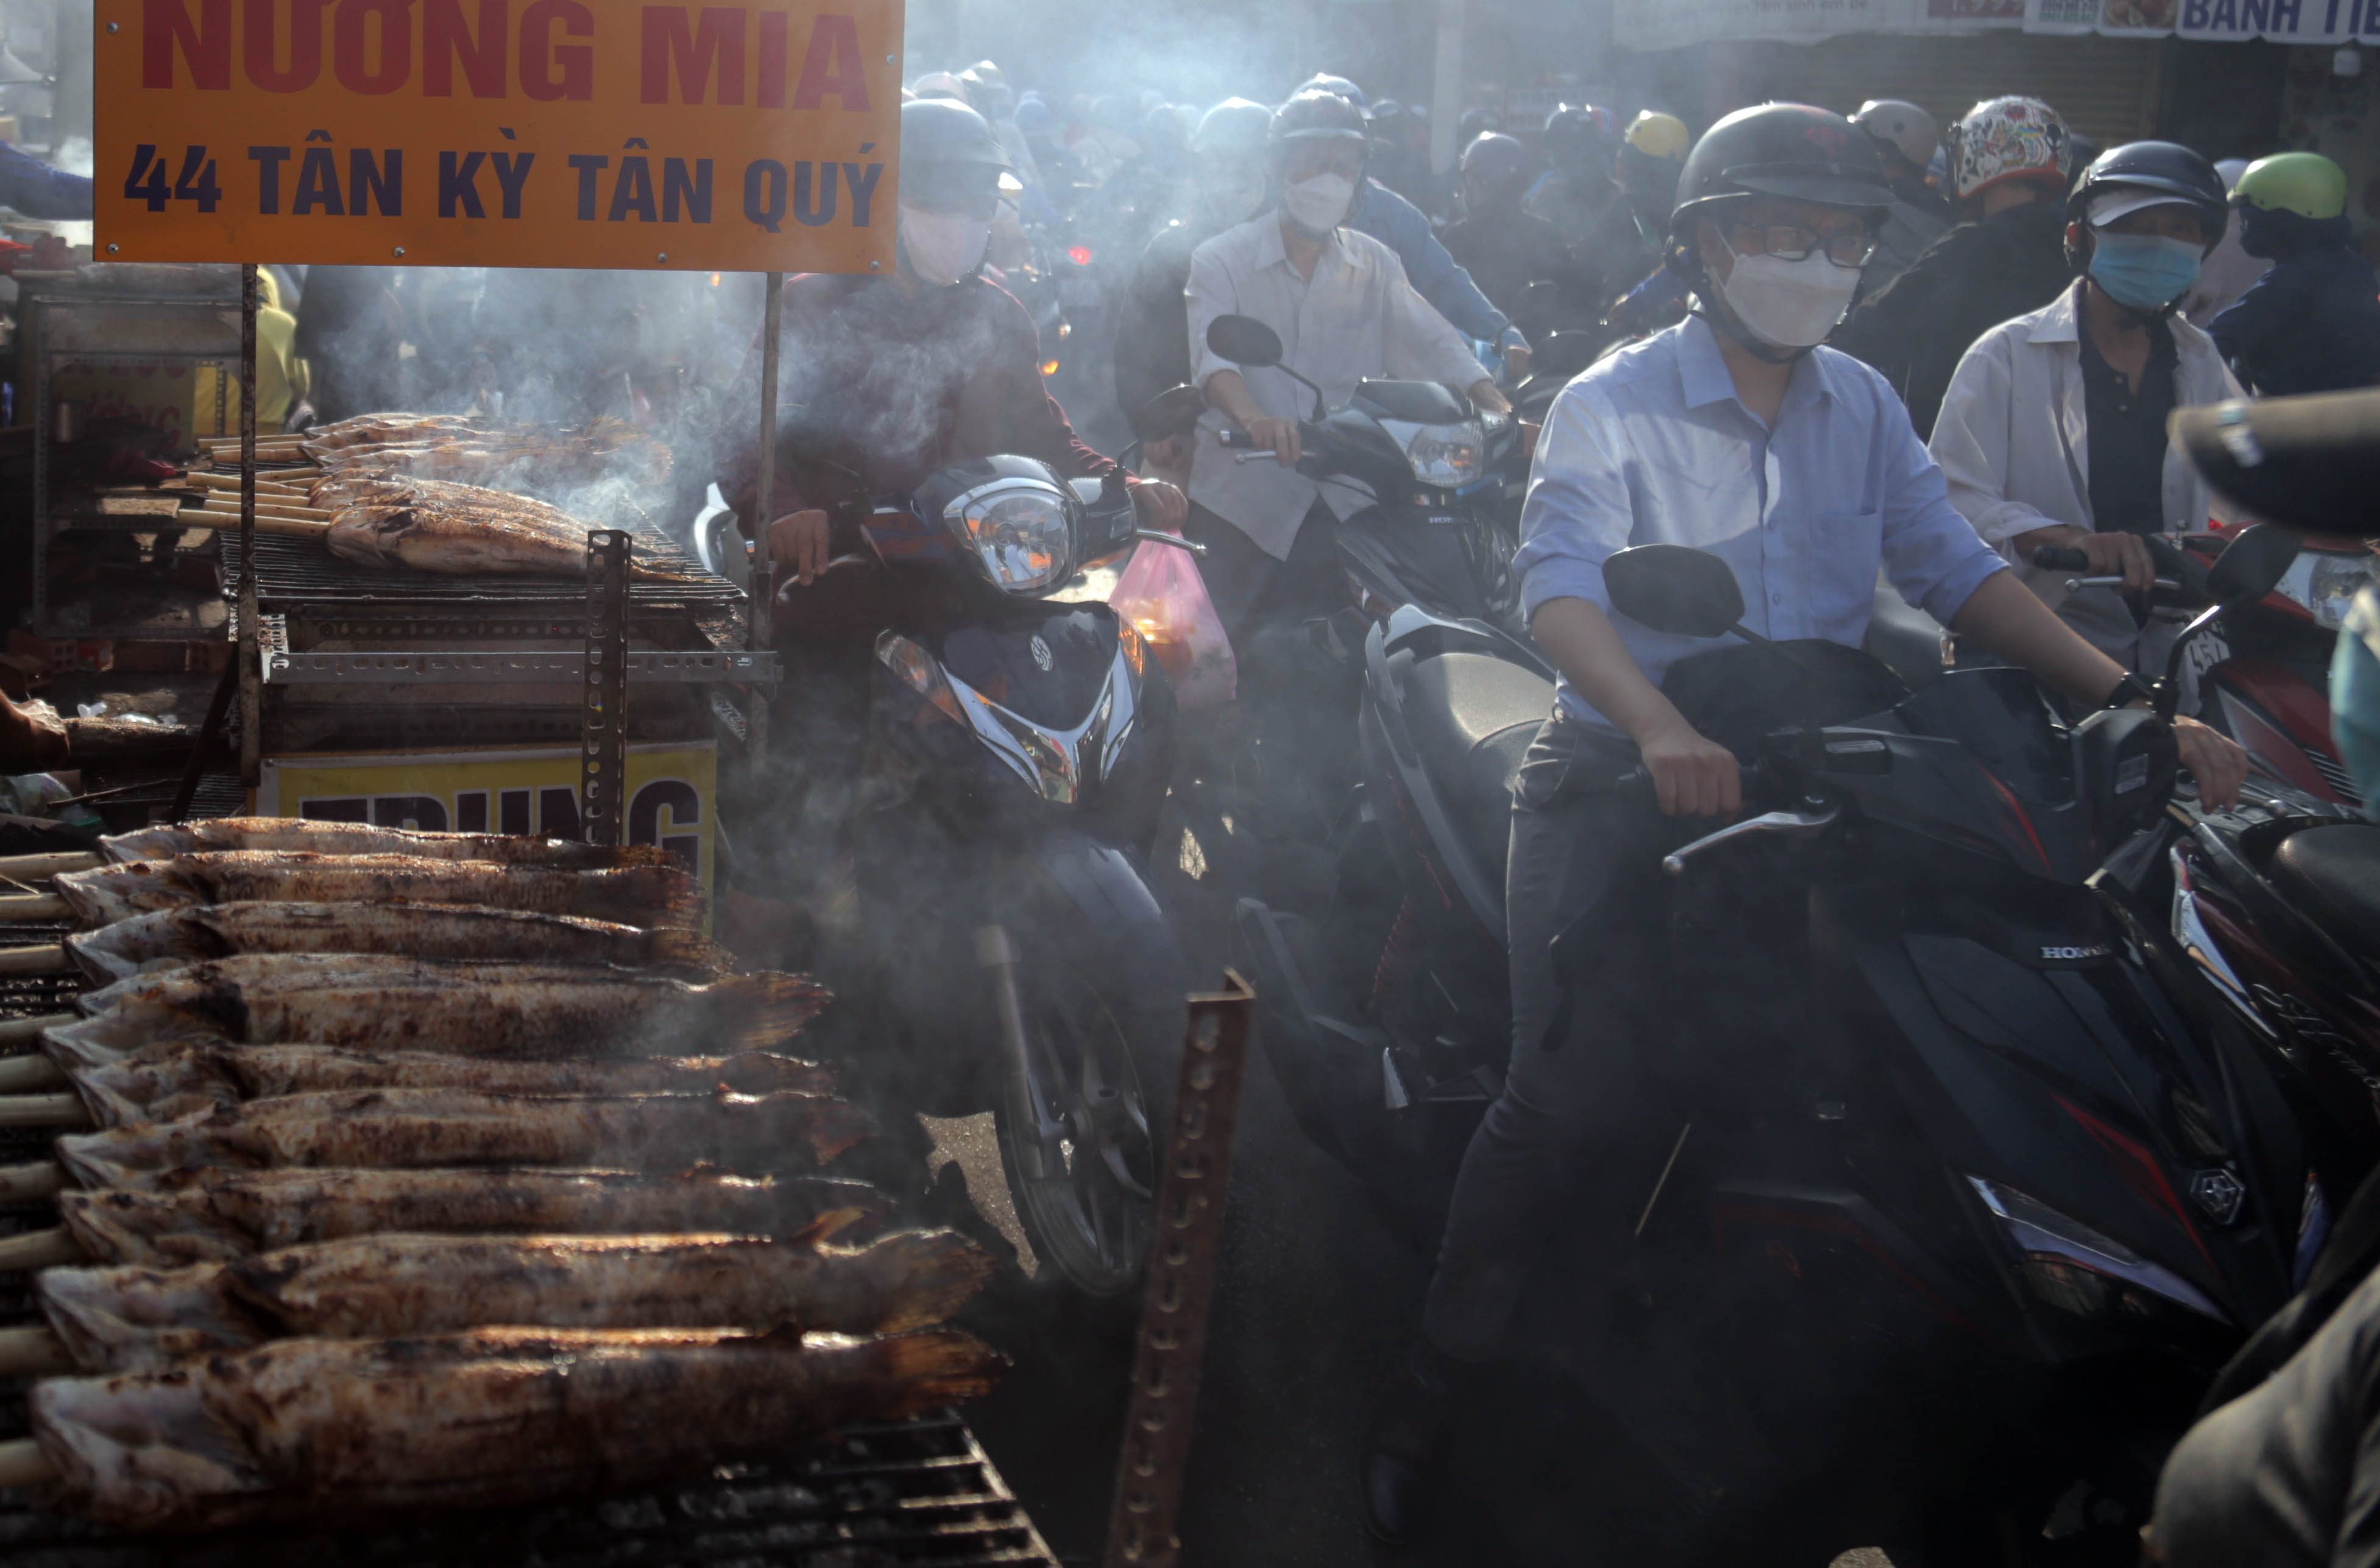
(512,133)
(1673,24)
(2278,21)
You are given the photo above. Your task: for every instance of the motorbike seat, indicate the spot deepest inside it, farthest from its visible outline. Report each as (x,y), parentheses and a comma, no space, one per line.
(1473,716)
(2334,874)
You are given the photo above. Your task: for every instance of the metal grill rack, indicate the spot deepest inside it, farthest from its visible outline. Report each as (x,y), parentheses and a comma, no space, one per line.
(295,572)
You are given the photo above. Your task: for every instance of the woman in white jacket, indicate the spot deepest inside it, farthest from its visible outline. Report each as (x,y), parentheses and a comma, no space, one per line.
(2053,428)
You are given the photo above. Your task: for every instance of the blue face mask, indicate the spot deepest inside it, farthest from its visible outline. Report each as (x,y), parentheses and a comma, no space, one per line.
(2146,272)
(2355,699)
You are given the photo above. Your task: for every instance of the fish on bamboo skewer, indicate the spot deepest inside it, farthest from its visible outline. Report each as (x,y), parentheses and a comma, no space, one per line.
(165,1082)
(130,1319)
(435,526)
(169,937)
(458,446)
(635,895)
(165,841)
(217,1215)
(342,1430)
(385,1002)
(418,1128)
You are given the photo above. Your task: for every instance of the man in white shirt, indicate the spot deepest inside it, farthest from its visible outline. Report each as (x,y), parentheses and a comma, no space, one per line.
(1346,313)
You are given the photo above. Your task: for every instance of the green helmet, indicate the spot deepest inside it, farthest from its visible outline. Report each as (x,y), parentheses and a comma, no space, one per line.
(2305,183)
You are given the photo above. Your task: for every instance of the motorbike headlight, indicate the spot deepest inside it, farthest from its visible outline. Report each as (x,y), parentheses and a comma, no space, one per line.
(1447,457)
(1021,531)
(2329,585)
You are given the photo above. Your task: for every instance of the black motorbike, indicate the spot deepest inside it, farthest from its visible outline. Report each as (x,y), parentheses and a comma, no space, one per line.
(1018,751)
(1942,1211)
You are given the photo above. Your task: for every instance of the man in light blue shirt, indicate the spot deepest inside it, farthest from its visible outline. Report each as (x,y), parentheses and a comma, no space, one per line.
(1730,432)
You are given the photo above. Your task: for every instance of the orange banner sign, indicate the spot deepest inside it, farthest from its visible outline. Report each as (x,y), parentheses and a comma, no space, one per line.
(501,133)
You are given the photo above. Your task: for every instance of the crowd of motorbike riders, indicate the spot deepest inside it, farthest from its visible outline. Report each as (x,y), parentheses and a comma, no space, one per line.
(1816,348)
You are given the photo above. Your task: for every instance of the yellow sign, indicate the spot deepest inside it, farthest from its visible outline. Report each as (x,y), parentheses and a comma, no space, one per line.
(673,794)
(503,133)
(182,397)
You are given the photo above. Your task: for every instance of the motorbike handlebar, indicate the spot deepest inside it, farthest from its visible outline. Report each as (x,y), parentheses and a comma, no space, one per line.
(1636,784)
(2060,558)
(1241,438)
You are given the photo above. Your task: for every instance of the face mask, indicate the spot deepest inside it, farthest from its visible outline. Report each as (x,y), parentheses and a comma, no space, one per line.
(1233,197)
(2146,272)
(1319,205)
(1789,304)
(942,247)
(2355,698)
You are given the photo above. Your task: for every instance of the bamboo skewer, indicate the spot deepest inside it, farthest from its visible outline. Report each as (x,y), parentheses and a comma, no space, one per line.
(43,960)
(34,868)
(23,1463)
(42,1178)
(63,1111)
(265,508)
(34,1352)
(34,907)
(264,486)
(41,1249)
(20,1074)
(27,1031)
(298,527)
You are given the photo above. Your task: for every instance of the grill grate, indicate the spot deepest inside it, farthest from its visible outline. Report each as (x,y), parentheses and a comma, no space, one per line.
(298,572)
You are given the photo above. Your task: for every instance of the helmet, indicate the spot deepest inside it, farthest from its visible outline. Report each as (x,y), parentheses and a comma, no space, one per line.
(1790,150)
(1494,160)
(1317,115)
(1337,86)
(939,84)
(2005,138)
(2305,183)
(2155,172)
(986,88)
(1906,128)
(1657,135)
(2231,169)
(947,151)
(1237,124)
(1388,109)
(1578,133)
(1475,123)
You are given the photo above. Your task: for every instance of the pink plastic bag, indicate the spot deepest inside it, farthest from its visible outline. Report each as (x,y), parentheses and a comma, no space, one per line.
(1162,596)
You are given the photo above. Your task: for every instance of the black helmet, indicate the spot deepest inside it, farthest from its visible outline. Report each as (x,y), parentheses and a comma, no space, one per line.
(1579,133)
(949,155)
(1317,116)
(1237,124)
(2163,167)
(1494,162)
(1477,123)
(1788,150)
(1338,86)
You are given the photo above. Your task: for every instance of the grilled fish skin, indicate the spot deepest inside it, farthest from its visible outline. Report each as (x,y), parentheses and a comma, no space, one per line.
(458,446)
(634,895)
(334,1430)
(382,1003)
(307,835)
(388,520)
(219,1215)
(164,938)
(414,1128)
(167,1082)
(139,1320)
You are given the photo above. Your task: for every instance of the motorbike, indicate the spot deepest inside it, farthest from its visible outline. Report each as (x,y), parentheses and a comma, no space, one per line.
(1944,1211)
(1018,750)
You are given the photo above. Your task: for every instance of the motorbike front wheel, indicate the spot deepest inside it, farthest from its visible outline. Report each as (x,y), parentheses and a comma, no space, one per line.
(1080,1130)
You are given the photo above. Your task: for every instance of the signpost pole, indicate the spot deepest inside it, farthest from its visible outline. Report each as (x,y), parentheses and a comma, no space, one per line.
(764,579)
(250,650)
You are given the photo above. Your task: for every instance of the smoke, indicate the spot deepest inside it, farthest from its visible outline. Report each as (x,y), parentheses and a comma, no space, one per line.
(74,156)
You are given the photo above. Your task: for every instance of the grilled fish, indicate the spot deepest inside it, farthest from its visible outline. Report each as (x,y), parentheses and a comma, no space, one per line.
(333,1430)
(457,446)
(634,895)
(166,1082)
(136,1320)
(306,836)
(417,1128)
(167,937)
(386,519)
(224,1214)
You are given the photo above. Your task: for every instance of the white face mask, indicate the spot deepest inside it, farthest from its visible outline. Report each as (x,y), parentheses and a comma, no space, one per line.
(942,247)
(1789,304)
(1319,205)
(1233,196)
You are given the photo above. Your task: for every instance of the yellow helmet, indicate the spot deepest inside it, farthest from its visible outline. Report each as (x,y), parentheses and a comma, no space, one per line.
(1660,136)
(2305,183)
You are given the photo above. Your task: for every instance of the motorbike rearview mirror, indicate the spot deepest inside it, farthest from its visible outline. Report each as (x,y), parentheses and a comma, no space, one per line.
(2253,565)
(1674,589)
(1249,343)
(1170,413)
(1243,340)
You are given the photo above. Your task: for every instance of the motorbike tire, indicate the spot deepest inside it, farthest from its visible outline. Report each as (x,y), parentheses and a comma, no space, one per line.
(1105,1059)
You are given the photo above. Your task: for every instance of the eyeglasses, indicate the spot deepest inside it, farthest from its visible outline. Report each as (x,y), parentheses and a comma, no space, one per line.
(1791,242)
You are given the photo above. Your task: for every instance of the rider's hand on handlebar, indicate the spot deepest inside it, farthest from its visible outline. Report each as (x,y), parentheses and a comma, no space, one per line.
(1278,433)
(1693,776)
(2124,553)
(2215,761)
(1160,506)
(1516,363)
(797,543)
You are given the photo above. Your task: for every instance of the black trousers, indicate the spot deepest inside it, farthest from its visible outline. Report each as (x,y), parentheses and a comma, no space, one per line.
(1257,596)
(1581,864)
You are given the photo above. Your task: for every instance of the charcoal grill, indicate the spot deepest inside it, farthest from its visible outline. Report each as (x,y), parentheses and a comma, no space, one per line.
(294,573)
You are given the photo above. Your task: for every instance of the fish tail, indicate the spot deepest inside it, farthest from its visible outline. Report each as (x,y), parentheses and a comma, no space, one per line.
(839,1125)
(765,1010)
(677,947)
(934,1369)
(930,1274)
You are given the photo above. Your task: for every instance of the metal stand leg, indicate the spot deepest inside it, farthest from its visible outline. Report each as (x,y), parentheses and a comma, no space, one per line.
(603,751)
(248,653)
